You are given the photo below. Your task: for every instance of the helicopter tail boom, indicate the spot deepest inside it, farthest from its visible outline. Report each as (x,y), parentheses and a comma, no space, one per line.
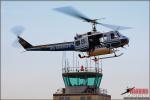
(66,46)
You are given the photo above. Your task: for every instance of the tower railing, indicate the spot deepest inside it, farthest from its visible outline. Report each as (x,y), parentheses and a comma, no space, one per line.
(103,91)
(81,69)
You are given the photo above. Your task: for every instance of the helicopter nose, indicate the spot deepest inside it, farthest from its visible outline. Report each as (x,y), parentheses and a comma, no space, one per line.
(124,40)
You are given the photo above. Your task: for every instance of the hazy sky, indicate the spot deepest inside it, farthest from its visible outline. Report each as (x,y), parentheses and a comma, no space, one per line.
(37,75)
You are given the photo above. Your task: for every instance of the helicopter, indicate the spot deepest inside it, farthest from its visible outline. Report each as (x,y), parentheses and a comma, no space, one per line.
(94,43)
(128,90)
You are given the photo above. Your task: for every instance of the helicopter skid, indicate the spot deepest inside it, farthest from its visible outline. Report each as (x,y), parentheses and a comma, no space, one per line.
(100,58)
(112,56)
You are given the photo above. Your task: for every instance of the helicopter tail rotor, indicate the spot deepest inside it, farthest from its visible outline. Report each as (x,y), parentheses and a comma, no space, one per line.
(17,31)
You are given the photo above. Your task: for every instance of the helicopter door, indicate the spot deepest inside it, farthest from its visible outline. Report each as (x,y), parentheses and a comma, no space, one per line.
(82,44)
(105,39)
(94,40)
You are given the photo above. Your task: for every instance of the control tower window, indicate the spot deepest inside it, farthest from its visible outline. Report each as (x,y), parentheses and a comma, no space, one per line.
(91,81)
(82,81)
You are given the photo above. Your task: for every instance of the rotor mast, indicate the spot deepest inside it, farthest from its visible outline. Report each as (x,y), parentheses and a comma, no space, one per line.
(94,22)
(93,25)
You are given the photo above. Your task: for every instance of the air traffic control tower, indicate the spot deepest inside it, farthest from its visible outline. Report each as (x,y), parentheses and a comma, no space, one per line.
(82,83)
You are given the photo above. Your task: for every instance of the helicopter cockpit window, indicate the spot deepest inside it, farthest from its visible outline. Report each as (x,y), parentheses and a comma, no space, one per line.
(114,35)
(118,34)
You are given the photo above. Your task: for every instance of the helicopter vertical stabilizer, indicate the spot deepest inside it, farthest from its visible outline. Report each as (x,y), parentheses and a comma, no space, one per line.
(24,43)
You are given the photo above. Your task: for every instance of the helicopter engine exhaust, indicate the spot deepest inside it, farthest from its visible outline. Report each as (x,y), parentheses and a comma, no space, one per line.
(100,51)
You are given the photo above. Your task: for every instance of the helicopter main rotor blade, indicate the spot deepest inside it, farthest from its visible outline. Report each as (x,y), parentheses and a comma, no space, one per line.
(73,12)
(114,27)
